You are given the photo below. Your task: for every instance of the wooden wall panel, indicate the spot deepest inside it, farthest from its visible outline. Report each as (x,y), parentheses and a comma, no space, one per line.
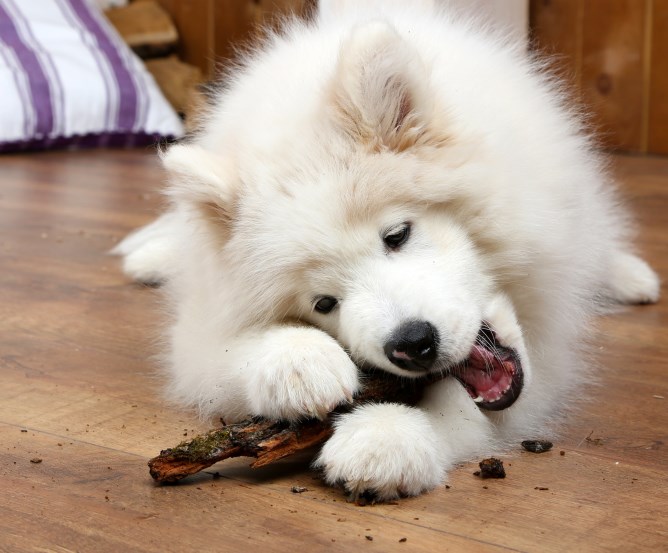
(194,21)
(212,30)
(612,69)
(616,54)
(658,89)
(234,27)
(556,30)
(237,22)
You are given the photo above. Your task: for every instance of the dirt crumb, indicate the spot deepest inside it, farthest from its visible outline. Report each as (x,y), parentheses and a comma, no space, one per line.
(537,446)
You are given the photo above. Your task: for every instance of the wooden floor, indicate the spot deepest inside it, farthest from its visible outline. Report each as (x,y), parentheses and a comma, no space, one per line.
(81,412)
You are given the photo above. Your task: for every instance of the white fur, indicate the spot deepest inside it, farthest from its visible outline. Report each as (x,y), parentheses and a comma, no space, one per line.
(361,457)
(336,131)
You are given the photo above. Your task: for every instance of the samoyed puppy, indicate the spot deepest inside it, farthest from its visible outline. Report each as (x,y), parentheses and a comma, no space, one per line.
(386,187)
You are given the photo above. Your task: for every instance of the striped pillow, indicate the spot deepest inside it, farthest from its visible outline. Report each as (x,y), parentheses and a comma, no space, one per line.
(68,80)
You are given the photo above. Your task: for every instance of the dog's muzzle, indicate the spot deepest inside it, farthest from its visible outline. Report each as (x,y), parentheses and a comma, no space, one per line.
(492,373)
(413,346)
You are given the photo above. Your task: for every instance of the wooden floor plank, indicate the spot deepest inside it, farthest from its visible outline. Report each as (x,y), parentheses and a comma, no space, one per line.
(87,494)
(76,347)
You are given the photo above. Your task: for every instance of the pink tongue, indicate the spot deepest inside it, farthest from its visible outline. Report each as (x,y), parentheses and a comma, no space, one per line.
(486,374)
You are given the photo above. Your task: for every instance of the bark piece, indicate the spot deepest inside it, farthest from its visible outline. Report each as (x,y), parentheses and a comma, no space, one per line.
(491,468)
(269,441)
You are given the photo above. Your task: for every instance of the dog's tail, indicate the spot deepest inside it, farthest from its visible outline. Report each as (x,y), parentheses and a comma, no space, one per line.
(329,10)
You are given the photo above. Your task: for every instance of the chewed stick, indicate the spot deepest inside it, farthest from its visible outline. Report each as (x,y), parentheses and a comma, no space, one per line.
(268,441)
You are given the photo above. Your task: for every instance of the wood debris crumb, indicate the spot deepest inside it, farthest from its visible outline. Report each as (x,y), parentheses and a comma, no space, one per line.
(491,468)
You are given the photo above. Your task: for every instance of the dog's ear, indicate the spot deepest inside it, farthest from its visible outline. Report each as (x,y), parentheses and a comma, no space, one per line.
(203,180)
(380,95)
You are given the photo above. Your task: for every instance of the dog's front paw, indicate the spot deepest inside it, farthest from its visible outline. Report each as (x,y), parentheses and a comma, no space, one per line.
(383,451)
(302,372)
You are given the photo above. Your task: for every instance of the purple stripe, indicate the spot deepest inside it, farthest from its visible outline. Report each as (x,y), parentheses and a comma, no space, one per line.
(40,92)
(142,89)
(102,64)
(92,140)
(20,82)
(127,111)
(55,82)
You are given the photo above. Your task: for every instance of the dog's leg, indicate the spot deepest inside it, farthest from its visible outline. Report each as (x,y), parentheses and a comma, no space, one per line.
(631,280)
(280,372)
(149,252)
(390,450)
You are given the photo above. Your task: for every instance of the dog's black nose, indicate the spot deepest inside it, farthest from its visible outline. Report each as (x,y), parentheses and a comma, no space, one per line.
(413,346)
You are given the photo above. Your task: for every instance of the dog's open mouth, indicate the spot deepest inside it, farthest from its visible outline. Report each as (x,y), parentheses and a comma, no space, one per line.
(492,374)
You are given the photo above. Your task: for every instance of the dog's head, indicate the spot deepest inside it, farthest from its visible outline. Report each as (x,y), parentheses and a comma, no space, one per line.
(370,229)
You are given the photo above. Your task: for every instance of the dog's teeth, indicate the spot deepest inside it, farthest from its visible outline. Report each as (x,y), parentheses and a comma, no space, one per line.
(479,399)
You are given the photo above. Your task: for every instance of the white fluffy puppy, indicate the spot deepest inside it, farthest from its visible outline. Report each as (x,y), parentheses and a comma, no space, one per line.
(386,187)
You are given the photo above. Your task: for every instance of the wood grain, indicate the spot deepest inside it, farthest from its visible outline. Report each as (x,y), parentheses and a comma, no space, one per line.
(614,51)
(76,347)
(212,32)
(658,85)
(194,21)
(556,32)
(612,69)
(239,24)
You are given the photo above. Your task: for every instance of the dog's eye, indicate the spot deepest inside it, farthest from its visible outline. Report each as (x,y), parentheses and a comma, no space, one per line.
(325,304)
(397,236)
